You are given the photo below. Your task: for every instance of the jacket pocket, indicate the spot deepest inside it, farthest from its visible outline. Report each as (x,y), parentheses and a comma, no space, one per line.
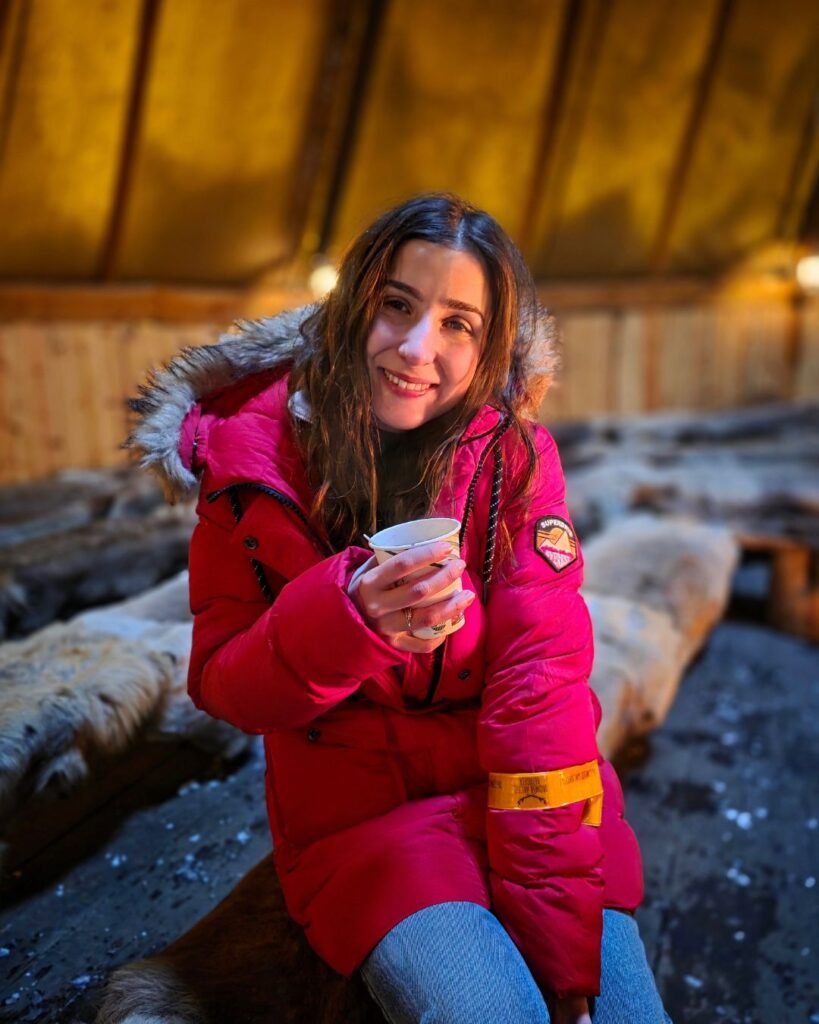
(327,777)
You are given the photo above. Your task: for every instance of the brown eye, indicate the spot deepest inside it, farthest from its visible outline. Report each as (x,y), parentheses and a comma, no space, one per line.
(459,325)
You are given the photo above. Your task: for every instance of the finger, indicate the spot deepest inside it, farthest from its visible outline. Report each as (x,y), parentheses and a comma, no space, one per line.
(421,589)
(394,569)
(415,645)
(449,610)
(377,594)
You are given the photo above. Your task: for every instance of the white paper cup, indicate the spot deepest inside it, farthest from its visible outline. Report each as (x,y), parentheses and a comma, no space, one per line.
(404,536)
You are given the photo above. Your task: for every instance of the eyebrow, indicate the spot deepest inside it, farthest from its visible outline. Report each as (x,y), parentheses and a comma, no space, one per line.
(449,303)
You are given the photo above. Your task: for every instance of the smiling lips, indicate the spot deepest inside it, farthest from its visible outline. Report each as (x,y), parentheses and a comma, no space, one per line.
(407,387)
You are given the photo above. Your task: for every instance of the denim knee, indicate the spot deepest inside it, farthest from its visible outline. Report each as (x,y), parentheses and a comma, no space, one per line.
(628,992)
(452,963)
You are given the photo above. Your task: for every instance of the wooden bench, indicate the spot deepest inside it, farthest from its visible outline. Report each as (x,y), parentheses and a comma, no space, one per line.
(792,603)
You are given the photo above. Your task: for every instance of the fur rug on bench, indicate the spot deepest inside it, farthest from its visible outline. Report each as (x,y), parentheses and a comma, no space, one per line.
(77,691)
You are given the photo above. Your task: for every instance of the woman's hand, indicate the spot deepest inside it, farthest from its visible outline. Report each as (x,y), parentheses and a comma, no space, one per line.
(570,1010)
(382,596)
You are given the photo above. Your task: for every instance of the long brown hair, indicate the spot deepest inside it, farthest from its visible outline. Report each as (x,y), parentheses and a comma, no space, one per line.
(341,442)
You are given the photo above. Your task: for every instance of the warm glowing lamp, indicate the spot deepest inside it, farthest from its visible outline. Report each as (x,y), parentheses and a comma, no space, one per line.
(323,278)
(807,273)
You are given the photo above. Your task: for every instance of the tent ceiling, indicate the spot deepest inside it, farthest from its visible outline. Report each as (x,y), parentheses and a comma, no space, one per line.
(190,141)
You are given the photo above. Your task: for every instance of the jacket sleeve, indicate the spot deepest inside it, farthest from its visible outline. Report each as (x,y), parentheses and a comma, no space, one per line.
(261,666)
(537,716)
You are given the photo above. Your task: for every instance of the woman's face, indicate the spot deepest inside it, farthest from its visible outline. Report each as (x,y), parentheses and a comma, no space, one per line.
(423,348)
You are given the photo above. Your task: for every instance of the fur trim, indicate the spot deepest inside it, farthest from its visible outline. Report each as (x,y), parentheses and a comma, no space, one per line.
(147,992)
(65,694)
(92,686)
(170,393)
(542,362)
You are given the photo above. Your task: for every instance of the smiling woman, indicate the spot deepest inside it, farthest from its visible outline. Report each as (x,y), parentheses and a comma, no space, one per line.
(434,316)
(441,817)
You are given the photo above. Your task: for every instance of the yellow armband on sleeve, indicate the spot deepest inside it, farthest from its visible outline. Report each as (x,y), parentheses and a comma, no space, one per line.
(526,791)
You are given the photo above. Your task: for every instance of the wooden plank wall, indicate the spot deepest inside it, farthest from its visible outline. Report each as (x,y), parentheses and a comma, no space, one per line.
(63,388)
(63,384)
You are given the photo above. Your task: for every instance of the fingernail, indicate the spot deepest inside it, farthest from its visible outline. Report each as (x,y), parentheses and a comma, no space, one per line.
(468,597)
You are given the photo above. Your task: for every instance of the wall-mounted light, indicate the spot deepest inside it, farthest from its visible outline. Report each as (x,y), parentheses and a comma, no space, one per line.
(807,274)
(323,277)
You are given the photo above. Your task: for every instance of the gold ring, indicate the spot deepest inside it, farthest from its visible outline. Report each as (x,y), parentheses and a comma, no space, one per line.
(408,618)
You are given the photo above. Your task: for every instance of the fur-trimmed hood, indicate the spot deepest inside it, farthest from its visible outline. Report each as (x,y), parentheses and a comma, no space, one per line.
(169,394)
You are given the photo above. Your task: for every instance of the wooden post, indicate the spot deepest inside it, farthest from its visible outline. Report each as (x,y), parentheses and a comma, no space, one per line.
(793,601)
(793,597)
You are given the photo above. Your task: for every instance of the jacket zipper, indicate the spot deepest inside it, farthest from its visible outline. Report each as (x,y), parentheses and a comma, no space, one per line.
(437,672)
(283,499)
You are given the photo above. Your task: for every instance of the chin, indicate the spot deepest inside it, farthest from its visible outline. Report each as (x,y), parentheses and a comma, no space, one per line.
(390,418)
(398,422)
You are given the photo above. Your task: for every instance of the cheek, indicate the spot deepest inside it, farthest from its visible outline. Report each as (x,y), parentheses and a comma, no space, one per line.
(462,369)
(380,339)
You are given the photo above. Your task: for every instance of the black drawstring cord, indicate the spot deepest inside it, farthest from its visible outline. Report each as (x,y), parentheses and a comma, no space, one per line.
(494,504)
(492,522)
(470,494)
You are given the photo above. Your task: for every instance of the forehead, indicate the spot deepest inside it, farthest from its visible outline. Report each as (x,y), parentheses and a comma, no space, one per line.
(438,272)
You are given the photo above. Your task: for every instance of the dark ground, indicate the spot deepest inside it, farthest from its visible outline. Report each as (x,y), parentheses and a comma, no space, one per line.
(724,802)
(727,809)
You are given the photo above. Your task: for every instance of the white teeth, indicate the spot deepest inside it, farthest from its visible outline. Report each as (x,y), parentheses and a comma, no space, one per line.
(404,385)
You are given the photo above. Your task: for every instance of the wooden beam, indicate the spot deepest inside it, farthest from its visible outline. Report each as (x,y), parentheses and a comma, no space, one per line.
(358,96)
(133,121)
(141,302)
(25,301)
(14,19)
(321,135)
(679,175)
(582,45)
(809,229)
(436,121)
(554,104)
(802,188)
(637,90)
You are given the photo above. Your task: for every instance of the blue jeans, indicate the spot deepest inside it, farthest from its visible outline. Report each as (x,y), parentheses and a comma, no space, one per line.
(453,963)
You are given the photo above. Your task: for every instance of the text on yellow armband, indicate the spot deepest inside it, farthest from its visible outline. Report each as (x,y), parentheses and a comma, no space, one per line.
(526,791)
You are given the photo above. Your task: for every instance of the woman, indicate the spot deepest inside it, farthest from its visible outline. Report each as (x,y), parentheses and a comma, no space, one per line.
(408,392)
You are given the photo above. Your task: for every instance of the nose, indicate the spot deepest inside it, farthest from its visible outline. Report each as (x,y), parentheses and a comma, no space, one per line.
(419,344)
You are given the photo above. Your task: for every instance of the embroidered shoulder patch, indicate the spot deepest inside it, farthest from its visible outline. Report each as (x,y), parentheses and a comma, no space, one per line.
(556,542)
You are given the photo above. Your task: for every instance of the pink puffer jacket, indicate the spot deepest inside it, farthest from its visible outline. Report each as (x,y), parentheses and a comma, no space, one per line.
(377,760)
